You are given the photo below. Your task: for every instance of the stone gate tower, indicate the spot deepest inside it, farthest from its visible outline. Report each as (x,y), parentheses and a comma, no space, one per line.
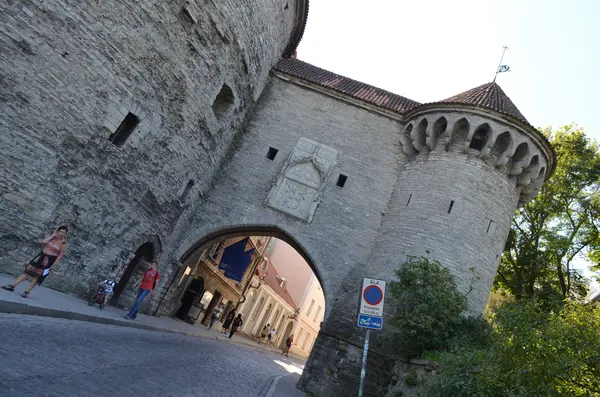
(468,162)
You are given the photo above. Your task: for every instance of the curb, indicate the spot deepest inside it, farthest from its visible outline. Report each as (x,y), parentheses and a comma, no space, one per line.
(273,386)
(24,309)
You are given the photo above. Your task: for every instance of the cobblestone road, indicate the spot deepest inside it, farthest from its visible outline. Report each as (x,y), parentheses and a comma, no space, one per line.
(53,357)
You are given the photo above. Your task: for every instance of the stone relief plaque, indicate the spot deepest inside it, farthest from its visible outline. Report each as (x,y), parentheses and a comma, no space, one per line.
(300,184)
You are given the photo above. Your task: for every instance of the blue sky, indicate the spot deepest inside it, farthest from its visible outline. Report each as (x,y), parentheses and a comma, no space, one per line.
(428,50)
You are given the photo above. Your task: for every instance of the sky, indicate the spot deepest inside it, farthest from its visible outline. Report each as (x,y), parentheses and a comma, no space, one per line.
(428,50)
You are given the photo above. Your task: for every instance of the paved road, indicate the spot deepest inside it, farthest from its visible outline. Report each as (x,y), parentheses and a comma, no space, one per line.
(54,357)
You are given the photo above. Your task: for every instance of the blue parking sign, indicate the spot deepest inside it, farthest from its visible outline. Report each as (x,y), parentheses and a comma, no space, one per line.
(370,322)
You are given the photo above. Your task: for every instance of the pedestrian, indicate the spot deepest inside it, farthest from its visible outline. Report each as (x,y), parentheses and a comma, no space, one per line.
(148,284)
(270,336)
(263,333)
(288,345)
(237,324)
(108,287)
(215,315)
(39,267)
(228,321)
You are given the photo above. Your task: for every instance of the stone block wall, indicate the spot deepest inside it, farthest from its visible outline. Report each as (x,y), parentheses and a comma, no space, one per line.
(71,71)
(346,219)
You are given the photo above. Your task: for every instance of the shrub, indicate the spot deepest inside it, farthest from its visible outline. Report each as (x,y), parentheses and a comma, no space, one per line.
(428,306)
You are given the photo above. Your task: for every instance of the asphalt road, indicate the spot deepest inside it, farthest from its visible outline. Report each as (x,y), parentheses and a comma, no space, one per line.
(53,357)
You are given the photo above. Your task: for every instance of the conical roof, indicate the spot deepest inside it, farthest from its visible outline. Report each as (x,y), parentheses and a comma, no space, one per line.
(488,96)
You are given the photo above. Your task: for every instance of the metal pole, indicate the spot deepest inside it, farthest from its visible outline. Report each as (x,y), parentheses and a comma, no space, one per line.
(363,370)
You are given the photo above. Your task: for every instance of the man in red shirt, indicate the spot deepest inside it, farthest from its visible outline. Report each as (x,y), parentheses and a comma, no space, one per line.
(148,285)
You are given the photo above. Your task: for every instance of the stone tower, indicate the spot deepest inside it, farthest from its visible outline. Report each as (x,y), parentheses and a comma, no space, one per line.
(468,162)
(471,160)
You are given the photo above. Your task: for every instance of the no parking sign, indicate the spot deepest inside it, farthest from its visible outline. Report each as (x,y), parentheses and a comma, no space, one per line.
(370,313)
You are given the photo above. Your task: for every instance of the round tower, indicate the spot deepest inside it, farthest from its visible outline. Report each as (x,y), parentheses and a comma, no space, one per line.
(470,161)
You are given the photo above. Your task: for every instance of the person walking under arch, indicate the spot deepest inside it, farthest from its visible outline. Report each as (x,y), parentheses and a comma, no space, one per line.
(228,320)
(215,316)
(148,284)
(40,266)
(288,345)
(236,325)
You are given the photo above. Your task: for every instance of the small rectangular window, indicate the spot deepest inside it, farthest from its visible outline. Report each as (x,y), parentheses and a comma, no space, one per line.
(491,228)
(186,191)
(312,303)
(317,314)
(341,180)
(450,206)
(120,136)
(272,153)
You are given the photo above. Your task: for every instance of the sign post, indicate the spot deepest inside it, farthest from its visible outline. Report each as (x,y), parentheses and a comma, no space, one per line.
(370,316)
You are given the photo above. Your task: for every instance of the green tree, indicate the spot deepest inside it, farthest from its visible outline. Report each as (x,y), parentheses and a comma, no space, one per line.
(530,352)
(428,306)
(557,226)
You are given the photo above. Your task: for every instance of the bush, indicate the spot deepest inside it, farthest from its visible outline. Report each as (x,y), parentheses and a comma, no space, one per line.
(531,352)
(428,306)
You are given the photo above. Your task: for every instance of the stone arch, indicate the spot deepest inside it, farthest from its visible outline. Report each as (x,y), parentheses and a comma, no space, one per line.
(458,134)
(531,190)
(530,172)
(436,131)
(520,159)
(124,292)
(480,137)
(419,135)
(406,140)
(501,148)
(289,330)
(270,225)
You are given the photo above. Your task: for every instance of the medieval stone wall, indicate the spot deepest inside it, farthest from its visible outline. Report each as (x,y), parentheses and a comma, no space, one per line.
(71,71)
(257,191)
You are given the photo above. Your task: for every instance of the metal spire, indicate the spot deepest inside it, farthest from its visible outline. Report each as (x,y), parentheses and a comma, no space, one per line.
(501,68)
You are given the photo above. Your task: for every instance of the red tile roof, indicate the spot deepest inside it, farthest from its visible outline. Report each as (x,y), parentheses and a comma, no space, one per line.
(344,85)
(271,281)
(488,96)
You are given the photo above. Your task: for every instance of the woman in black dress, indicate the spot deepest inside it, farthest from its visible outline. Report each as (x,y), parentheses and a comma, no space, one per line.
(228,321)
(39,267)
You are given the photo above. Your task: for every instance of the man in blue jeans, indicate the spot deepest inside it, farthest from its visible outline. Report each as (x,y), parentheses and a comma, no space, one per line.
(148,285)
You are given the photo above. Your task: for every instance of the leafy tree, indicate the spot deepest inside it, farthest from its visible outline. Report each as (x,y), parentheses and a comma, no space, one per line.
(428,306)
(530,352)
(557,226)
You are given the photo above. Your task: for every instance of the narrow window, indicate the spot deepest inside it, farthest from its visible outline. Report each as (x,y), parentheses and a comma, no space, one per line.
(317,314)
(312,303)
(408,201)
(286,6)
(223,102)
(272,153)
(341,180)
(120,136)
(491,229)
(450,206)
(186,191)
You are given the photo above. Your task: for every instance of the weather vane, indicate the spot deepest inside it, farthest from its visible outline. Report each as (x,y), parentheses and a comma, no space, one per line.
(502,68)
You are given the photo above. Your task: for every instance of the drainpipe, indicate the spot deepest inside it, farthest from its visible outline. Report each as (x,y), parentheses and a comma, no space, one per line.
(248,284)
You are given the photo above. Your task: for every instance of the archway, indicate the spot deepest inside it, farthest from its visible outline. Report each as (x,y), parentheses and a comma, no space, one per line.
(288,331)
(191,296)
(141,260)
(263,322)
(272,289)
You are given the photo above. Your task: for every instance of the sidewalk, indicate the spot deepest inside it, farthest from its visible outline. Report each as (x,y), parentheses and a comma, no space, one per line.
(50,303)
